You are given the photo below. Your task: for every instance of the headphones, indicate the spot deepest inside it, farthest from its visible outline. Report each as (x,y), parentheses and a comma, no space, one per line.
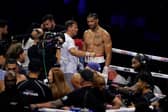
(142,58)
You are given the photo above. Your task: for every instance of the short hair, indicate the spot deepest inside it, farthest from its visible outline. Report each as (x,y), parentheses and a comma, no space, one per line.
(3,23)
(87,75)
(69,23)
(93,15)
(11,61)
(47,17)
(34,66)
(14,50)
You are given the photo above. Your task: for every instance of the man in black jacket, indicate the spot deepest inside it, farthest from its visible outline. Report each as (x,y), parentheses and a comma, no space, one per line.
(11,100)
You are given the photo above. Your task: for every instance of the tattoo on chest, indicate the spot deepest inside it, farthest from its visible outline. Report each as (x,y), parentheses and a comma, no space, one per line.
(97,39)
(94,39)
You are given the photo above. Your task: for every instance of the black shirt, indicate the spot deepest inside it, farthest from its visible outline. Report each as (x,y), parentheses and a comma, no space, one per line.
(59,28)
(34,91)
(88,97)
(11,101)
(43,56)
(146,98)
(142,102)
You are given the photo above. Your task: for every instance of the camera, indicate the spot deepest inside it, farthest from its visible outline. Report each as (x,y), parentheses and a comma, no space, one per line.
(53,39)
(44,52)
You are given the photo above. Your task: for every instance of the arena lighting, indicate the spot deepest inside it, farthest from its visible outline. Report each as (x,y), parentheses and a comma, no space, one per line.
(82,7)
(66,2)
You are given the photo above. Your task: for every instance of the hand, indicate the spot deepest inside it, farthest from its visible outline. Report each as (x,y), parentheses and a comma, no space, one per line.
(108,106)
(92,54)
(33,106)
(115,85)
(37,32)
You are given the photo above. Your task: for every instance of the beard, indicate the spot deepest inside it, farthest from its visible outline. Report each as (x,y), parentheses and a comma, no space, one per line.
(92,27)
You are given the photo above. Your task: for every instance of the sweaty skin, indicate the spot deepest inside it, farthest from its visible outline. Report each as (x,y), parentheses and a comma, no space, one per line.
(98,41)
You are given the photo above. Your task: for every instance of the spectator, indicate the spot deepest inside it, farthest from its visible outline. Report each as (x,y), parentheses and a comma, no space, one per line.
(11,100)
(89,96)
(37,93)
(57,83)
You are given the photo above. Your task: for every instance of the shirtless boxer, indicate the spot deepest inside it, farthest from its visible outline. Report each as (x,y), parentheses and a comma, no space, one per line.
(98,40)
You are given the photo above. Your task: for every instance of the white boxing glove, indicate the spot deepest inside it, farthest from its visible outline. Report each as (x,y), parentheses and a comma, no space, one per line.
(105,70)
(105,73)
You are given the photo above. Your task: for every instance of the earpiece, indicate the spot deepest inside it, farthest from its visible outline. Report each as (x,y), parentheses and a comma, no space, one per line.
(142,58)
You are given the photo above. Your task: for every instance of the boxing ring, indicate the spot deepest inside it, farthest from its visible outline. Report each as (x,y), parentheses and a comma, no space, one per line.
(131,53)
(124,69)
(123,109)
(130,70)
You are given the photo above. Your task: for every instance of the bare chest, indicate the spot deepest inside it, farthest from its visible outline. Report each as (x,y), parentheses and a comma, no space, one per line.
(94,39)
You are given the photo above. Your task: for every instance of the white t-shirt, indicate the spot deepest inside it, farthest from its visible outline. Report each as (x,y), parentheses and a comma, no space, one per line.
(28,44)
(68,61)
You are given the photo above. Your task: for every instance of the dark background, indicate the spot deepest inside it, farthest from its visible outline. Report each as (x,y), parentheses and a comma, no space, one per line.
(133,22)
(135,25)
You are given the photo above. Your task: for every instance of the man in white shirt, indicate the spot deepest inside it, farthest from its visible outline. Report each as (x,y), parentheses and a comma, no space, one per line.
(70,53)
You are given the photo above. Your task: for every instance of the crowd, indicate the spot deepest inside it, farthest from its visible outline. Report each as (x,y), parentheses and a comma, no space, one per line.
(52,69)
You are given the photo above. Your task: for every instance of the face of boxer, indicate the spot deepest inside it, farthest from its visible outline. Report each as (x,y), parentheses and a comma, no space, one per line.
(92,22)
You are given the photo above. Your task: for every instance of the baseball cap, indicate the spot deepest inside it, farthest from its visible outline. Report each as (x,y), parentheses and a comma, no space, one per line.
(94,66)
